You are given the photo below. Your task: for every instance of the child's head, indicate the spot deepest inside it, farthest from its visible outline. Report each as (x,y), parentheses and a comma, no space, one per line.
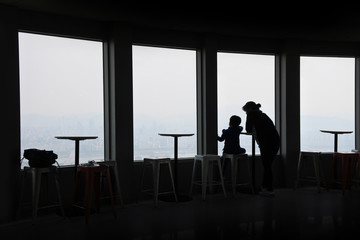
(235,120)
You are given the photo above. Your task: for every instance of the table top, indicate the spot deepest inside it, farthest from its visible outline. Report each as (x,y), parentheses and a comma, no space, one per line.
(246,133)
(76,137)
(336,131)
(176,134)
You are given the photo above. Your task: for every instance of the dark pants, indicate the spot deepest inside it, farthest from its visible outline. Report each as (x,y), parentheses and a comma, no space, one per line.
(267,157)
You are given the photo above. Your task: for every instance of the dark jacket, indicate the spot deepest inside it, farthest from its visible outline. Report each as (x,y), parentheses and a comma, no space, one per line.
(264,130)
(232,140)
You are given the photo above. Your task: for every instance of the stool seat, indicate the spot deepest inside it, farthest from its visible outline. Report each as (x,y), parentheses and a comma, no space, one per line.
(92,183)
(349,161)
(234,163)
(156,163)
(315,160)
(36,176)
(206,160)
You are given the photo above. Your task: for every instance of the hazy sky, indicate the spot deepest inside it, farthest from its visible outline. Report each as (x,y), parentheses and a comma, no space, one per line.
(60,75)
(164,81)
(243,78)
(71,72)
(328,86)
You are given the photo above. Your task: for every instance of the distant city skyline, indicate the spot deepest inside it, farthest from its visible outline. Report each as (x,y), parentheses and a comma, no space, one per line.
(157,146)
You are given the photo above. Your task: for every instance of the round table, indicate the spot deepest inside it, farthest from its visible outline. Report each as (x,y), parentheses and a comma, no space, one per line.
(336,133)
(77,139)
(176,136)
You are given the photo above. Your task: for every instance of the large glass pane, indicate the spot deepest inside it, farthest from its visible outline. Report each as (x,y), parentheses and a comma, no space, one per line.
(61,90)
(327,102)
(164,88)
(242,78)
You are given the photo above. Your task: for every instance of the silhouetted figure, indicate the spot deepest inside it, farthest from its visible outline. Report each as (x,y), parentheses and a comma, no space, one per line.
(268,139)
(231,135)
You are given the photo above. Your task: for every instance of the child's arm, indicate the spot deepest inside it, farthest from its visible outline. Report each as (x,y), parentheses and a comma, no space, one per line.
(222,138)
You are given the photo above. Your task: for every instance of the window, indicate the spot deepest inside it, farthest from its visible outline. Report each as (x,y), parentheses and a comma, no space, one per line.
(242,78)
(327,102)
(61,90)
(164,94)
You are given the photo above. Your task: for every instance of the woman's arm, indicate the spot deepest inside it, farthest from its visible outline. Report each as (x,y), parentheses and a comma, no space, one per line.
(249,123)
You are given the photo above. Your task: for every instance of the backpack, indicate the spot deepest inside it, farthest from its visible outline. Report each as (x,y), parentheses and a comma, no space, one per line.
(40,158)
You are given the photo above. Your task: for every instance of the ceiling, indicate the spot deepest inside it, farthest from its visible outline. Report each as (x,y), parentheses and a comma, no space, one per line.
(282,14)
(290,17)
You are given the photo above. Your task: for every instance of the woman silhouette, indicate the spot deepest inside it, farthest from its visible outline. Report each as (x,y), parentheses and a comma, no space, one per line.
(268,139)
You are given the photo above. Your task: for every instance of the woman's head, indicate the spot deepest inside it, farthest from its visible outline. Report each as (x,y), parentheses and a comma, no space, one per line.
(251,106)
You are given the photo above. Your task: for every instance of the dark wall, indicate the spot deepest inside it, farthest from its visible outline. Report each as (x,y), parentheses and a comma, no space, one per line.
(10,104)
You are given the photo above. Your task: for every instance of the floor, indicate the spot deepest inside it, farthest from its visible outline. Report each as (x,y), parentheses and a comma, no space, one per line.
(293,214)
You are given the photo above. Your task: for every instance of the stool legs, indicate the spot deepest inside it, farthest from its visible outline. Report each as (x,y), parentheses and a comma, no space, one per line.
(59,194)
(36,183)
(221,177)
(96,181)
(156,172)
(36,179)
(192,178)
(234,158)
(89,185)
(172,181)
(205,177)
(345,172)
(349,162)
(250,175)
(315,158)
(111,191)
(156,166)
(118,186)
(317,171)
(234,168)
(92,183)
(112,164)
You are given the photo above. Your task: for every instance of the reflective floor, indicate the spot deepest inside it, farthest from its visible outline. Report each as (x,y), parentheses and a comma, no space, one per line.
(300,214)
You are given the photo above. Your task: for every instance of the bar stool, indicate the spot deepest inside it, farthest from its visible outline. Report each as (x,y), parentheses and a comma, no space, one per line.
(112,164)
(309,157)
(91,175)
(36,176)
(156,163)
(205,161)
(349,161)
(234,163)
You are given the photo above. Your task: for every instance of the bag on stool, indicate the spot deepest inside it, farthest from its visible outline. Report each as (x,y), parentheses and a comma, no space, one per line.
(40,158)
